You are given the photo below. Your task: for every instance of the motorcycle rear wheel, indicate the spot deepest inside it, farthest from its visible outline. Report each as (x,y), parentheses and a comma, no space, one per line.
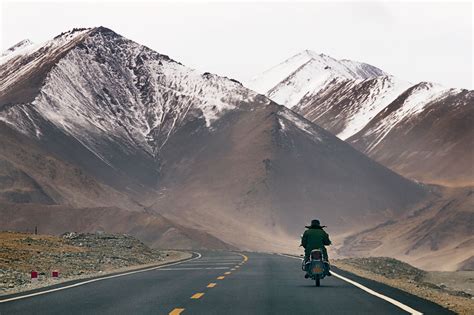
(317,281)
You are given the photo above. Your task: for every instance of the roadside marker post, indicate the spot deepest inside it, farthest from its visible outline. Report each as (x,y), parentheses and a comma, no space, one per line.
(55,274)
(34,275)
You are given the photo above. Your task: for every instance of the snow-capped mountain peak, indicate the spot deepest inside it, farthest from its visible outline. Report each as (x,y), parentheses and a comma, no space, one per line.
(264,82)
(309,71)
(90,82)
(18,48)
(20,45)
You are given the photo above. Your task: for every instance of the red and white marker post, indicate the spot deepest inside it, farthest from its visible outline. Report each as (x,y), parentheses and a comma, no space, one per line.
(34,275)
(55,274)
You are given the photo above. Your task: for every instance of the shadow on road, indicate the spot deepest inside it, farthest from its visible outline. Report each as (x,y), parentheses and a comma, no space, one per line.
(322,286)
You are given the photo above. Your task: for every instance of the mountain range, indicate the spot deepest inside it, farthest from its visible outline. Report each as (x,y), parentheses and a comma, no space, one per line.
(422,131)
(102,133)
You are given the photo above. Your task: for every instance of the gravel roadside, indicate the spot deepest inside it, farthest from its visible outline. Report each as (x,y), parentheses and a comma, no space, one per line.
(74,256)
(408,278)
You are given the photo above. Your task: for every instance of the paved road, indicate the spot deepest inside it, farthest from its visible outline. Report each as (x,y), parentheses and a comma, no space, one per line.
(222,283)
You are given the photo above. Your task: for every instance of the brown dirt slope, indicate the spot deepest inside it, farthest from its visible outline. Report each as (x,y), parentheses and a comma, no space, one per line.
(435,235)
(32,174)
(267,171)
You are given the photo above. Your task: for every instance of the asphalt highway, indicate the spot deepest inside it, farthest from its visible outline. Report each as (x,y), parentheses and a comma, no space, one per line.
(221,283)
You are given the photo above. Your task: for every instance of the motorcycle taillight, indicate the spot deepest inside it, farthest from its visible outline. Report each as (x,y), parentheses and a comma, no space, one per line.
(316,255)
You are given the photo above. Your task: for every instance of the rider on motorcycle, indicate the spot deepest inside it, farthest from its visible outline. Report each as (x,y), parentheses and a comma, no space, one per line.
(315,238)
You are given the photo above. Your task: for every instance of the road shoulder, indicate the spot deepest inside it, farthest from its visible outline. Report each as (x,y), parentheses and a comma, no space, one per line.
(172,258)
(457,304)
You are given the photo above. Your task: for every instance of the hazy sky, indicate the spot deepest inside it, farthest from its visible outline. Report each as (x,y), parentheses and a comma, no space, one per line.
(424,41)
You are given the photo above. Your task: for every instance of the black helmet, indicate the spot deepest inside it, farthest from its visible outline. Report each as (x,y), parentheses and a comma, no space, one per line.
(314,223)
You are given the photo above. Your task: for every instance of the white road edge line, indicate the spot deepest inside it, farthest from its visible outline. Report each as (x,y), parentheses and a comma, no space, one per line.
(370,291)
(98,279)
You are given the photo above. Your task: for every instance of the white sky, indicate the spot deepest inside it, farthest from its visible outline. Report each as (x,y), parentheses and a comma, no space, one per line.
(424,41)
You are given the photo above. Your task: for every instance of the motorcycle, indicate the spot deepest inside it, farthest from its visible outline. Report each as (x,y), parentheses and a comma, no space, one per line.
(316,267)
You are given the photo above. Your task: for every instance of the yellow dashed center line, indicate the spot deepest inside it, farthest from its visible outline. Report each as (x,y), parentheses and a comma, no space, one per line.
(197,296)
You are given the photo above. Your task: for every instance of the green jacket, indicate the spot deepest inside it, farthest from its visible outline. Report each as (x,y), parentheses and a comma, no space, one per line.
(315,238)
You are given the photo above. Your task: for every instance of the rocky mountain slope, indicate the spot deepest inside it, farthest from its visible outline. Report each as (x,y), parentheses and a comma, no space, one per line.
(421,131)
(95,88)
(427,134)
(105,122)
(266,171)
(345,106)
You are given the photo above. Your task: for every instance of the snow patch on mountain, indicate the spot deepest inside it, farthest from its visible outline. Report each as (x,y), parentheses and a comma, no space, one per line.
(34,55)
(300,123)
(361,69)
(21,44)
(380,96)
(282,124)
(21,119)
(416,102)
(17,49)
(309,77)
